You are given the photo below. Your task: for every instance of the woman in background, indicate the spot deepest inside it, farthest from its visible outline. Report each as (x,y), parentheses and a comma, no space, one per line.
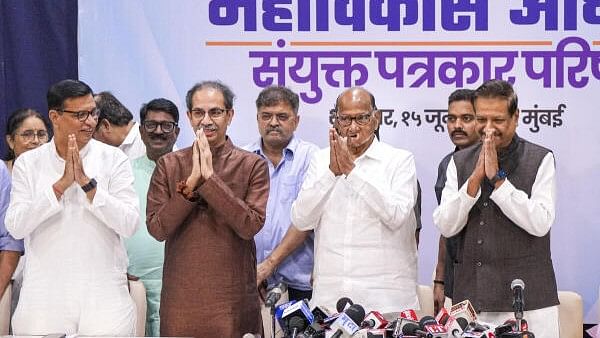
(26,129)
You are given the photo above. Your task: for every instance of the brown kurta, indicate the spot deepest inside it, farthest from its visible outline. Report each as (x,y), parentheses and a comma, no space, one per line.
(209,275)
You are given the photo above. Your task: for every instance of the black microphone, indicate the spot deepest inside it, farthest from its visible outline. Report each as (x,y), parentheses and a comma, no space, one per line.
(347,323)
(517,286)
(275,294)
(343,304)
(296,325)
(411,329)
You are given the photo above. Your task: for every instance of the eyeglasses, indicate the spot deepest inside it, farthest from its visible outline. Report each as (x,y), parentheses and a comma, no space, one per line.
(166,126)
(361,119)
(281,117)
(213,113)
(83,114)
(29,135)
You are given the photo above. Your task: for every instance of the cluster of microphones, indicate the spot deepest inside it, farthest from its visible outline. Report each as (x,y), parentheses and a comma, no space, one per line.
(298,320)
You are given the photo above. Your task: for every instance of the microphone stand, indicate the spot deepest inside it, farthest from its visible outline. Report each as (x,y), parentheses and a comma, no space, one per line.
(273,319)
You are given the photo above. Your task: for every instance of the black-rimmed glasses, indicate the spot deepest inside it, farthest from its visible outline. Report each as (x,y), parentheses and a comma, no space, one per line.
(82,115)
(361,119)
(166,126)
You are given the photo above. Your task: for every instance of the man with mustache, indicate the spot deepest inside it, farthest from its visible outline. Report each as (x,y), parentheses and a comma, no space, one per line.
(284,254)
(159,129)
(73,201)
(499,202)
(208,202)
(358,196)
(463,133)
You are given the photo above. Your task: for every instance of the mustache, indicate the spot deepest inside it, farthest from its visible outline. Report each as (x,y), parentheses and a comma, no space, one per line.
(458,132)
(155,136)
(210,127)
(270,129)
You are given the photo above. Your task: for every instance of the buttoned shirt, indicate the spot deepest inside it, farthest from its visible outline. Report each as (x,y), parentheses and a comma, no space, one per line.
(73,237)
(146,254)
(364,229)
(285,181)
(132,145)
(7,242)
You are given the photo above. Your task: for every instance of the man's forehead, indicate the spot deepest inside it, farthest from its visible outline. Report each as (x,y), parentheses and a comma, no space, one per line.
(208,96)
(159,114)
(86,101)
(357,99)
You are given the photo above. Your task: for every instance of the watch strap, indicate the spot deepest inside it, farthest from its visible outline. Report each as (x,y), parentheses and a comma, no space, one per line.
(89,186)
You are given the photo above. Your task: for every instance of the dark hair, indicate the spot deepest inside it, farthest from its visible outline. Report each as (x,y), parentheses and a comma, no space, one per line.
(461,95)
(16,119)
(228,95)
(274,95)
(160,104)
(498,89)
(66,89)
(112,110)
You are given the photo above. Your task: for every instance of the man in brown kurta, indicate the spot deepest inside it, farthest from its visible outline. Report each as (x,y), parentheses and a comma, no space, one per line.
(208,201)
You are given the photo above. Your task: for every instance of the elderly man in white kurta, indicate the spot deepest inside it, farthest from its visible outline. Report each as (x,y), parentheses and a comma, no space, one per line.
(73,202)
(358,196)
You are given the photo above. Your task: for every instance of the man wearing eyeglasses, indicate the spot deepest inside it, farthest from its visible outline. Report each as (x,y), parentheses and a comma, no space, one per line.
(117,127)
(358,196)
(208,202)
(284,254)
(73,201)
(159,131)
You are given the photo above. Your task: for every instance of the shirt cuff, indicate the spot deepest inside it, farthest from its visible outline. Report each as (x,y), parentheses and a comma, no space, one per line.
(99,198)
(465,197)
(8,243)
(503,192)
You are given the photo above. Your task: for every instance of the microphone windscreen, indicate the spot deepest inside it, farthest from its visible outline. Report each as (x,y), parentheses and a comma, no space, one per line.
(427,320)
(462,322)
(356,312)
(410,329)
(342,304)
(517,282)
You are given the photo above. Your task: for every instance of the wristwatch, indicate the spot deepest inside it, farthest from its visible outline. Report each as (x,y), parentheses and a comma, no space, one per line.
(500,175)
(90,185)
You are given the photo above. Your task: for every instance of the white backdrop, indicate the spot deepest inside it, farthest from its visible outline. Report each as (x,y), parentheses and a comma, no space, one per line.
(142,50)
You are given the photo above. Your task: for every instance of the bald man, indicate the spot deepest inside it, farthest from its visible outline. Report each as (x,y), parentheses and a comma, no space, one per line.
(358,196)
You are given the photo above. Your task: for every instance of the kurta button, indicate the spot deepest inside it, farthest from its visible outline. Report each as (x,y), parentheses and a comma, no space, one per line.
(482,223)
(485,204)
(478,263)
(480,241)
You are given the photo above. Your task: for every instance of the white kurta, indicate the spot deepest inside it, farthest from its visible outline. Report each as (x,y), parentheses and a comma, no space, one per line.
(132,145)
(75,274)
(364,229)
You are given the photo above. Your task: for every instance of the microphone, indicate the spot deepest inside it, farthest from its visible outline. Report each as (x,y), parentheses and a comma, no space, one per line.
(411,329)
(465,310)
(298,309)
(346,323)
(320,313)
(295,325)
(409,314)
(374,320)
(275,294)
(370,333)
(517,286)
(433,328)
(343,304)
(397,326)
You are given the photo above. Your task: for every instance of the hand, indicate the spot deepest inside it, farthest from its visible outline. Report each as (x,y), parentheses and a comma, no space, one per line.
(263,271)
(78,172)
(438,297)
(196,174)
(345,159)
(206,168)
(68,176)
(478,174)
(491,156)
(333,160)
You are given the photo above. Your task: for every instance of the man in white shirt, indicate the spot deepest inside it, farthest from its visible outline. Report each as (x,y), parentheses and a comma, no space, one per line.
(358,196)
(117,127)
(499,203)
(73,202)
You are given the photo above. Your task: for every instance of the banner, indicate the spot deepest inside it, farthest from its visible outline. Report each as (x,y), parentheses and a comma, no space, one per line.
(410,54)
